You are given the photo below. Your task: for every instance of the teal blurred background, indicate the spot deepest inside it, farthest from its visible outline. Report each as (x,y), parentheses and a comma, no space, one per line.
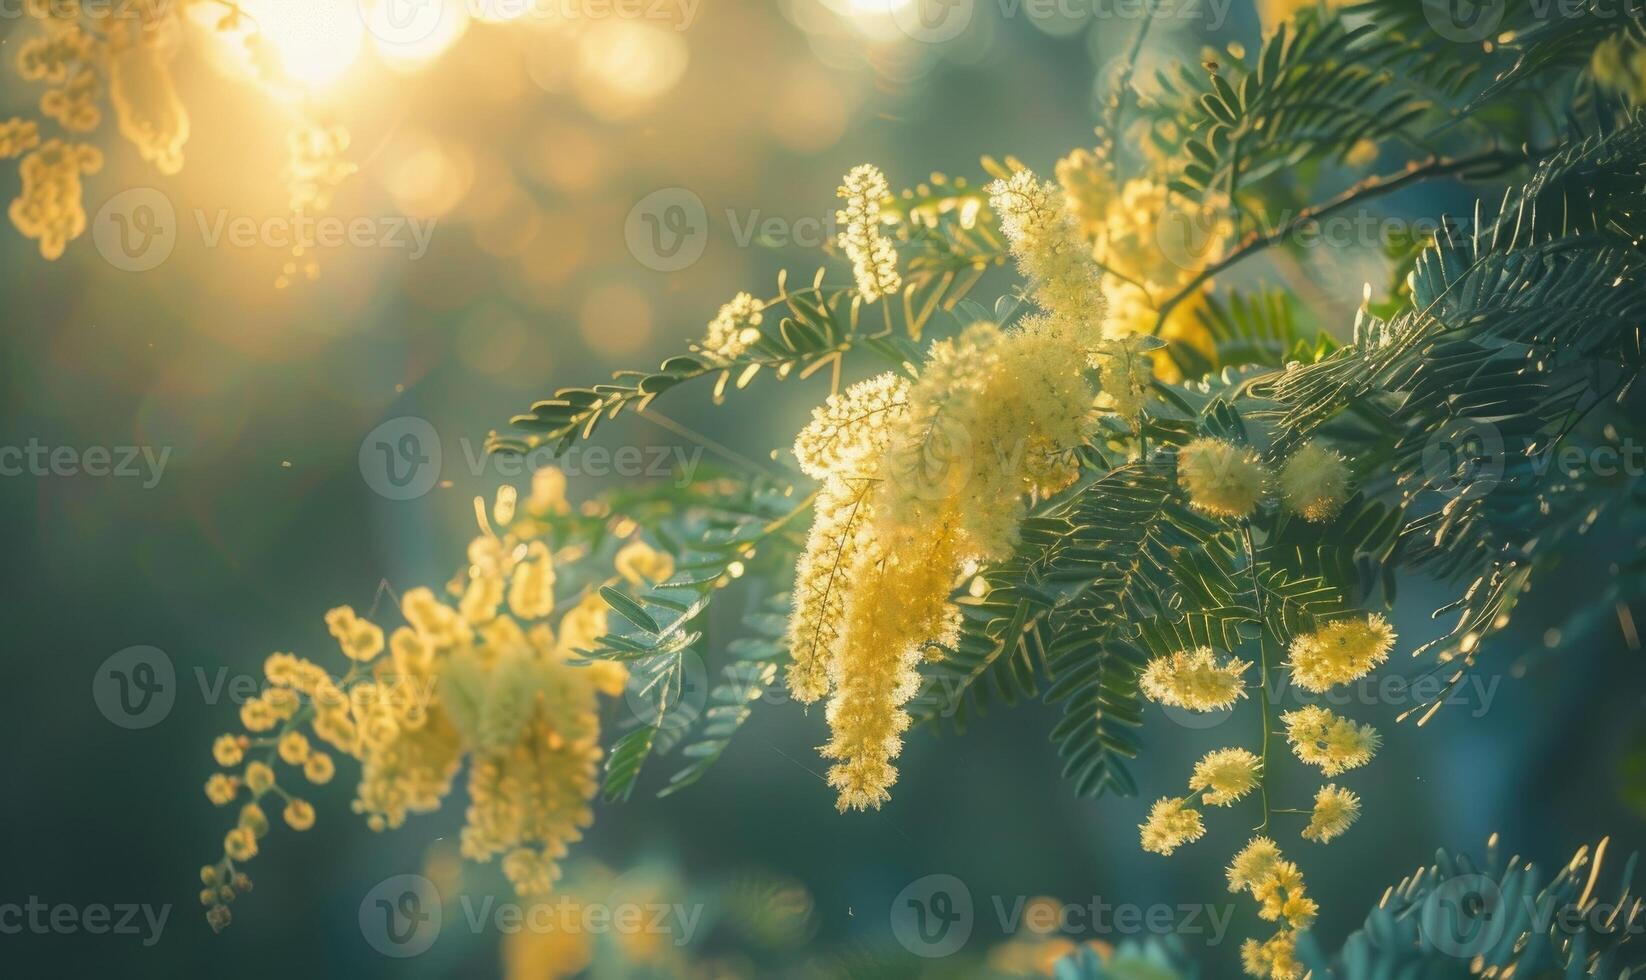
(527,147)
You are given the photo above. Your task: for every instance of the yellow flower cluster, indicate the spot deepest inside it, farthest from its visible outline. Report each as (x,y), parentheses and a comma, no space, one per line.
(1195,680)
(1172,823)
(1045,240)
(1224,776)
(920,479)
(50,206)
(17,137)
(1343,650)
(1322,738)
(1334,811)
(873,257)
(1223,479)
(470,678)
(1277,886)
(78,53)
(1314,483)
(1619,63)
(734,328)
(1149,242)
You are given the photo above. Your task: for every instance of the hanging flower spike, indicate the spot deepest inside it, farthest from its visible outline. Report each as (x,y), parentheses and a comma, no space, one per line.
(873,257)
(1327,740)
(1226,775)
(1171,824)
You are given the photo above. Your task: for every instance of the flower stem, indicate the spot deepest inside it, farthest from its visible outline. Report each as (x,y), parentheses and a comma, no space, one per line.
(1262,671)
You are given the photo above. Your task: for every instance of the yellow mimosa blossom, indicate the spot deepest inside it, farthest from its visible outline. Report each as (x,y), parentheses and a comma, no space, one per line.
(1194,679)
(18,136)
(259,777)
(299,814)
(1226,775)
(240,844)
(734,328)
(1275,958)
(1619,63)
(1223,479)
(228,750)
(641,564)
(50,207)
(254,819)
(548,493)
(1281,897)
(145,102)
(1335,810)
(1343,650)
(531,589)
(318,768)
(1252,864)
(1045,240)
(1171,824)
(1334,743)
(848,432)
(1314,483)
(293,748)
(220,789)
(873,257)
(360,639)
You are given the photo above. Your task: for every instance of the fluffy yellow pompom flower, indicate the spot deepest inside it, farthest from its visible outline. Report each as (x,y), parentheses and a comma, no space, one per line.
(360,639)
(50,205)
(293,748)
(259,778)
(1335,810)
(1194,679)
(641,564)
(1045,239)
(318,768)
(1619,63)
(220,789)
(228,750)
(1252,864)
(240,844)
(1314,483)
(1341,651)
(1223,479)
(1275,958)
(254,819)
(531,590)
(299,814)
(734,328)
(1330,741)
(873,258)
(18,136)
(1171,824)
(1226,775)
(1281,895)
